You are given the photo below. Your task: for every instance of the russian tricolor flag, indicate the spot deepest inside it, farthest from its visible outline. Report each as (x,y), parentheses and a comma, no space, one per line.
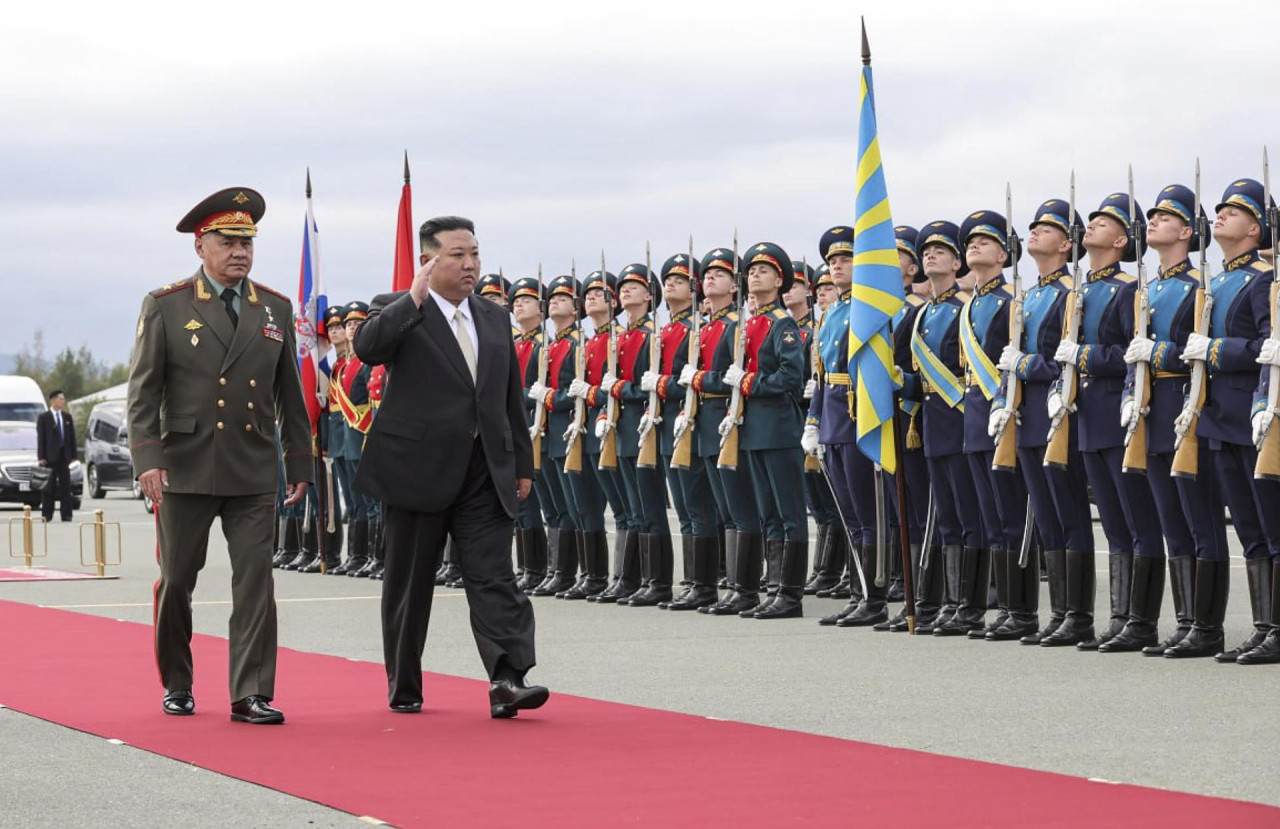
(312,305)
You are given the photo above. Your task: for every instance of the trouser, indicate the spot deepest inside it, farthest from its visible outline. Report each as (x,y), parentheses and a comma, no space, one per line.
(1002,500)
(955,502)
(566,504)
(853,482)
(342,475)
(819,500)
(60,488)
(691,491)
(552,515)
(777,481)
(182,534)
(646,495)
(1125,507)
(732,491)
(1250,511)
(586,489)
(1192,516)
(529,511)
(1059,500)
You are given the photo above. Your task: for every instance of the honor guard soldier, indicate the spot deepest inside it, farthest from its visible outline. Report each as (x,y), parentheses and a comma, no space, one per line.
(829,547)
(525,299)
(690,489)
(335,442)
(770,383)
(1105,328)
(1058,495)
(1240,322)
(1001,493)
(357,410)
(377,535)
(495,288)
(936,383)
(1190,507)
(599,482)
(730,484)
(644,486)
(830,425)
(214,376)
(913,462)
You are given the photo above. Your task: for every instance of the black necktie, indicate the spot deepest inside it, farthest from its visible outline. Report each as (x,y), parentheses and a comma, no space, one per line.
(228,299)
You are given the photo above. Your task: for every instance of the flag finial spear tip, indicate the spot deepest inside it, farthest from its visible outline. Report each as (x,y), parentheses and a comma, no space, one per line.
(406,166)
(866,45)
(308,182)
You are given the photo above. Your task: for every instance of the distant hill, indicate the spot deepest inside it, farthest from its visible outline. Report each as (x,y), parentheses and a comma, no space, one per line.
(6,363)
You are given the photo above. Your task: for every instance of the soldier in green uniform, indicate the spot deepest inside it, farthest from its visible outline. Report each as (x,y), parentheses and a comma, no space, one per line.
(214,375)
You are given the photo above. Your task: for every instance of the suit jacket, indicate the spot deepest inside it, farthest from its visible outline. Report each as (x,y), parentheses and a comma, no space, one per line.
(48,448)
(205,399)
(419,447)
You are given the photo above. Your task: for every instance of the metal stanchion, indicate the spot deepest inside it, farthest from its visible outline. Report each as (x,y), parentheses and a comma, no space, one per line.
(99,528)
(27,520)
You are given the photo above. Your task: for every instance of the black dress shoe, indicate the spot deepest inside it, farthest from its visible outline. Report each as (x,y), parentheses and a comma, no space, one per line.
(508,696)
(406,707)
(179,703)
(255,710)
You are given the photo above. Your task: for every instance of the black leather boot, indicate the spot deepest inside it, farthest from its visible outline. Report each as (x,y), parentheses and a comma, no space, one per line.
(952,561)
(626,568)
(662,565)
(598,560)
(519,568)
(772,573)
(686,570)
(724,569)
(373,564)
(332,557)
(706,566)
(1213,579)
(1081,584)
(589,580)
(840,567)
(290,545)
(1144,608)
(307,550)
(975,581)
(1182,582)
(1120,577)
(787,604)
(896,592)
(748,559)
(1023,595)
(580,549)
(898,624)
(535,559)
(872,607)
(1055,572)
(357,550)
(564,572)
(377,551)
(1000,574)
(647,543)
(929,587)
(729,556)
(821,561)
(1268,652)
(1258,573)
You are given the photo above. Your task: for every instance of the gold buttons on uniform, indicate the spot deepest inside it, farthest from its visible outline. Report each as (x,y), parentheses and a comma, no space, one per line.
(250,405)
(248,427)
(221,403)
(222,381)
(253,384)
(220,426)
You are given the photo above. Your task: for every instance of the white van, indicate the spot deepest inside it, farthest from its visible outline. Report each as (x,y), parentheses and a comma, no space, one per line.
(20,398)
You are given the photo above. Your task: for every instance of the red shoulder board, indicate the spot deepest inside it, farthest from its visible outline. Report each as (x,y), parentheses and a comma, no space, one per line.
(271,291)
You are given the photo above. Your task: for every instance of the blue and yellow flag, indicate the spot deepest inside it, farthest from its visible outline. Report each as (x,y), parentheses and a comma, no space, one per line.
(877,291)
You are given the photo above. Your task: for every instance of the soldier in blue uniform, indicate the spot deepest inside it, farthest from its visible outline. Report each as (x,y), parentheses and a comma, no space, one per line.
(1058,499)
(1124,502)
(1190,508)
(771,384)
(730,485)
(830,425)
(1001,493)
(645,488)
(936,383)
(1240,322)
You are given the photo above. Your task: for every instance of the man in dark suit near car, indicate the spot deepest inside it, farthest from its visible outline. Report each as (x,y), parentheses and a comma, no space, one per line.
(449,455)
(56,449)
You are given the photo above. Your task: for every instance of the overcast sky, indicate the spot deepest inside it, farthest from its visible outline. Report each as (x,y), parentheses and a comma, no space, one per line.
(565,127)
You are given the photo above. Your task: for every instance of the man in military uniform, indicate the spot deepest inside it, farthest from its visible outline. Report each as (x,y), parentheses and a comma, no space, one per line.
(357,414)
(214,374)
(1058,495)
(332,429)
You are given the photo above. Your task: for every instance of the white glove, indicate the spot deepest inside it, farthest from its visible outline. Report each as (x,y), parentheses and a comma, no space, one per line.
(1067,352)
(733,376)
(809,389)
(1128,412)
(686,375)
(725,426)
(534,431)
(579,389)
(537,392)
(681,424)
(997,420)
(1009,357)
(568,433)
(602,428)
(1139,351)
(1270,353)
(1261,424)
(1055,404)
(1197,348)
(608,382)
(809,440)
(649,381)
(646,423)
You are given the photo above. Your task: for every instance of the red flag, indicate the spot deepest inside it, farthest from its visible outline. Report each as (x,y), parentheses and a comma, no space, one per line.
(406,263)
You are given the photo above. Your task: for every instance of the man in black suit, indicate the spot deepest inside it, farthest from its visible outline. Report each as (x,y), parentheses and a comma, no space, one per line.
(449,455)
(56,449)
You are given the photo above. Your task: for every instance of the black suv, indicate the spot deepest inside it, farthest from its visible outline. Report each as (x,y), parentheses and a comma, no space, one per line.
(108,465)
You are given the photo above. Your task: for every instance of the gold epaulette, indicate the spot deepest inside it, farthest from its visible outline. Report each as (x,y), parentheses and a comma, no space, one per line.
(732,316)
(1126,278)
(779,314)
(915,300)
(171,287)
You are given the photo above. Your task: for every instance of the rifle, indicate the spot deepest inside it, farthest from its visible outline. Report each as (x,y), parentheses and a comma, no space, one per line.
(539,410)
(573,446)
(1055,454)
(1135,441)
(1268,465)
(1006,451)
(682,455)
(811,463)
(648,456)
(609,443)
(728,458)
(1186,457)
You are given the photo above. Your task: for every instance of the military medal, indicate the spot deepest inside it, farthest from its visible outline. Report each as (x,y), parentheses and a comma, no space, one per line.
(195,340)
(272,332)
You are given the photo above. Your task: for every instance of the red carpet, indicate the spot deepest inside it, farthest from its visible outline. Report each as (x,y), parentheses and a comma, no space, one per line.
(617,765)
(43,574)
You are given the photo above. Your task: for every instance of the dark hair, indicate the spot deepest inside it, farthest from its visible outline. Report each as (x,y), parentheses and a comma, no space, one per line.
(431,227)
(55,393)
